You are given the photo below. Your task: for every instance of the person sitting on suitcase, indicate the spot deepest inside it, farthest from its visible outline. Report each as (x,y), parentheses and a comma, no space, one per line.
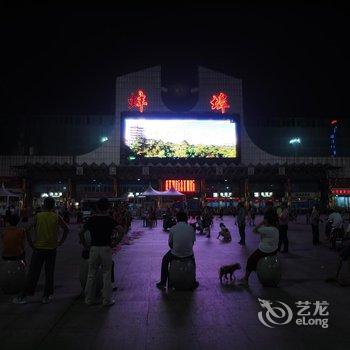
(181,239)
(268,246)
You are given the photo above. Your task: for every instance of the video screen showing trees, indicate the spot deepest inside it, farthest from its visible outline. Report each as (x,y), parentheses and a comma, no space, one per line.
(180,138)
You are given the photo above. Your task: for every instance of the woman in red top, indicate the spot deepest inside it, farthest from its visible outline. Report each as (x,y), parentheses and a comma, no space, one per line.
(13,240)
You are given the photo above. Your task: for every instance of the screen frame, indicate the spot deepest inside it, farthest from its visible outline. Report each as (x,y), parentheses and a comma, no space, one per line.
(190,115)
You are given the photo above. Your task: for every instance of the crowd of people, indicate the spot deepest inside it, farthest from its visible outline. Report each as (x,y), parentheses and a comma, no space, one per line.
(273,231)
(107,226)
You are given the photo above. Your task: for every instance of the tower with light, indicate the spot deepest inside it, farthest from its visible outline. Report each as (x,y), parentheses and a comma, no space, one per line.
(333,137)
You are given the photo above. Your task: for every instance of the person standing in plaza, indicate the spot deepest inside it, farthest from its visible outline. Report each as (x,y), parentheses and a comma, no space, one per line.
(315,220)
(46,229)
(252,215)
(101,227)
(207,220)
(336,220)
(24,215)
(283,229)
(241,222)
(221,213)
(337,229)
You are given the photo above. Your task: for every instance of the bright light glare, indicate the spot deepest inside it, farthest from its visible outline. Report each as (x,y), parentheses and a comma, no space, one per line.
(295,141)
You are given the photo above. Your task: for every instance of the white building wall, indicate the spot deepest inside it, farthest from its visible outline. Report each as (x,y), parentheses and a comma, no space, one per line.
(149,80)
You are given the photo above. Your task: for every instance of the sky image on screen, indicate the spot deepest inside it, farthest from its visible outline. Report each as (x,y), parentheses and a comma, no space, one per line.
(180,138)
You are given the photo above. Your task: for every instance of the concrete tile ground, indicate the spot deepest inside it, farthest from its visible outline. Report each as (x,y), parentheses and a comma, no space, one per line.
(213,317)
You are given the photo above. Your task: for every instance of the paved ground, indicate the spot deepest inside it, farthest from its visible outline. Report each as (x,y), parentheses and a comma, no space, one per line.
(212,317)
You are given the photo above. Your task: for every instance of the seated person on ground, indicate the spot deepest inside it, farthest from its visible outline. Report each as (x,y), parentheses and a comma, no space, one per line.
(224,233)
(181,239)
(268,245)
(13,240)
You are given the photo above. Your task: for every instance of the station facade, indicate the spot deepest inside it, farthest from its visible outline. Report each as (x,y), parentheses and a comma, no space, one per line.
(93,161)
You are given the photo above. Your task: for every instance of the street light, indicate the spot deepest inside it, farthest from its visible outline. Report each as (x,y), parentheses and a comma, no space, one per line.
(295,141)
(104,139)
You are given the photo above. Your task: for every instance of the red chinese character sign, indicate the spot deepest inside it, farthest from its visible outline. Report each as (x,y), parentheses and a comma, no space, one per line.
(219,102)
(138,101)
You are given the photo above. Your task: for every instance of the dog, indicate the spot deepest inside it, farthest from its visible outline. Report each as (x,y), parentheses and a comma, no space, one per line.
(228,270)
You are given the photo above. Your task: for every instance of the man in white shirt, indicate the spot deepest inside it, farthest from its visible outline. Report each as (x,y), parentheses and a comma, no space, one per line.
(181,239)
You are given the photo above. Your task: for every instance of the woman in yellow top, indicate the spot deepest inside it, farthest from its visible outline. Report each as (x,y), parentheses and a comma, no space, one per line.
(46,231)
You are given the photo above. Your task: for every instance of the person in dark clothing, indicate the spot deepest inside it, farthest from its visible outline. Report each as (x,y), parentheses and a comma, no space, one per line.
(79,216)
(315,221)
(101,228)
(241,221)
(168,220)
(221,213)
(7,214)
(207,221)
(66,216)
(283,229)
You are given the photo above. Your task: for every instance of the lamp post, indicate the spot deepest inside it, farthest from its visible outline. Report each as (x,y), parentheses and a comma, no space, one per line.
(295,142)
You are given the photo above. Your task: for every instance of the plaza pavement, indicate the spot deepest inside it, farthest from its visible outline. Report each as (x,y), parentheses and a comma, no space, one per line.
(212,317)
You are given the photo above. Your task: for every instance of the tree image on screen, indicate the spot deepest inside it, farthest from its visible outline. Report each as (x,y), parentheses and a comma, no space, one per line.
(150,138)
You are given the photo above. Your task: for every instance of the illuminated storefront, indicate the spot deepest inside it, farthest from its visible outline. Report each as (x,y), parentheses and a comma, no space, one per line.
(184,186)
(341,197)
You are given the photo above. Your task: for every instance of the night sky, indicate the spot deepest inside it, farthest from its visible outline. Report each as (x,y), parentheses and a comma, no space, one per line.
(293,60)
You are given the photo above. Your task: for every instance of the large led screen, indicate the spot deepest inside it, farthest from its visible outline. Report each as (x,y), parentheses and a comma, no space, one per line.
(180,138)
